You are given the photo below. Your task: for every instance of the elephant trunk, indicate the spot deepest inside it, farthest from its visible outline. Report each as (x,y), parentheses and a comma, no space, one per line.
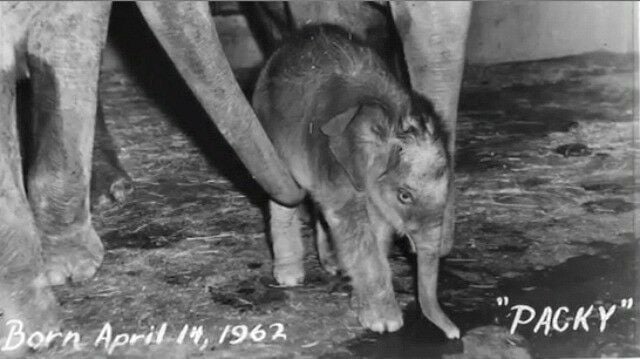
(186,32)
(428,261)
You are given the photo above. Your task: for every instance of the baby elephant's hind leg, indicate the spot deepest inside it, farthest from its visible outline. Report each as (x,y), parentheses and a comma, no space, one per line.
(288,249)
(326,252)
(110,183)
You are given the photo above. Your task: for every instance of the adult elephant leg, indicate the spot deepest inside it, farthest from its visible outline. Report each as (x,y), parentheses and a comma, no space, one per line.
(110,183)
(186,32)
(64,57)
(25,297)
(433,34)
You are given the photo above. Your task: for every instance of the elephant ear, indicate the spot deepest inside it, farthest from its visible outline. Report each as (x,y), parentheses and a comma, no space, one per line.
(354,139)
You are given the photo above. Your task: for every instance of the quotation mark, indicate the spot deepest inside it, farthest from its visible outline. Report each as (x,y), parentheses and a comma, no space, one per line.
(626,303)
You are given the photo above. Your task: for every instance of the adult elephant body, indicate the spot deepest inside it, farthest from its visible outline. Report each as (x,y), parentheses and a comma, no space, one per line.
(46,234)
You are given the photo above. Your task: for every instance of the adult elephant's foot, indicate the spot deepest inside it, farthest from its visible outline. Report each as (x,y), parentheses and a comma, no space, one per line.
(76,256)
(27,305)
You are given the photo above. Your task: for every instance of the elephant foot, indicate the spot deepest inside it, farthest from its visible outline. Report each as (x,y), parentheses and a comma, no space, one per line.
(379,314)
(110,185)
(27,305)
(329,263)
(290,274)
(76,257)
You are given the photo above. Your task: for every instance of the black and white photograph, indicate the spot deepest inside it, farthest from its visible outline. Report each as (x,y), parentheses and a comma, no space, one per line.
(319,179)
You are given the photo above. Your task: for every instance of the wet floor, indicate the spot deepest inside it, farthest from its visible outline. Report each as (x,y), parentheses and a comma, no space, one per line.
(604,281)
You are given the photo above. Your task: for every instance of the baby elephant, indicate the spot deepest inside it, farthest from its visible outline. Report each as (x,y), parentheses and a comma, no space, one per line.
(370,154)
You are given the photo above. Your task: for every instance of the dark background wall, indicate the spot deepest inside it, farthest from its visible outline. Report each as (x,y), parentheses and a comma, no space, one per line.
(503,31)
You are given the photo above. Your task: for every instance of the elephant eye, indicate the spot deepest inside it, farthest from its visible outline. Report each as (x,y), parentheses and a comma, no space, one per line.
(404,196)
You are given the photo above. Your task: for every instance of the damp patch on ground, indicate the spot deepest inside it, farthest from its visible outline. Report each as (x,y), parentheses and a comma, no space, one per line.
(590,282)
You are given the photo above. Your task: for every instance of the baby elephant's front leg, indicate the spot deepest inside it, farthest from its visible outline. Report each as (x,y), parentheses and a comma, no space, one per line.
(288,248)
(363,255)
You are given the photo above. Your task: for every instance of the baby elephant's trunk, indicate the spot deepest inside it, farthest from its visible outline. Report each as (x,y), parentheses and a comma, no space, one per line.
(428,261)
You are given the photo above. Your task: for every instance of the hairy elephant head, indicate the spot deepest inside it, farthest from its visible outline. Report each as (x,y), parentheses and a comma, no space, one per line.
(400,163)
(403,167)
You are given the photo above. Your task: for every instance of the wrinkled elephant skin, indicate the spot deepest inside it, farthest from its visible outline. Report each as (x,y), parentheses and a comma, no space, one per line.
(368,151)
(46,235)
